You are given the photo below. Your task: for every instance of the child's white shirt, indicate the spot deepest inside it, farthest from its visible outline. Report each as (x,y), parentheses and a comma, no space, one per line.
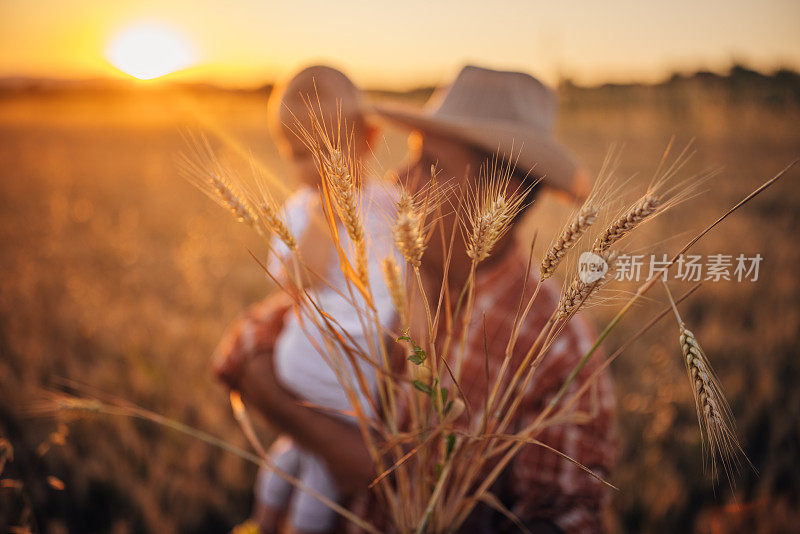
(299,364)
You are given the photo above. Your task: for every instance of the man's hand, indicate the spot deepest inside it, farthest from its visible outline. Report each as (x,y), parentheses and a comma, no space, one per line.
(338,443)
(254,333)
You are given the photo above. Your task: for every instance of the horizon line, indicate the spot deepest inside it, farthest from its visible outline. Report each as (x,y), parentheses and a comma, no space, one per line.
(24,81)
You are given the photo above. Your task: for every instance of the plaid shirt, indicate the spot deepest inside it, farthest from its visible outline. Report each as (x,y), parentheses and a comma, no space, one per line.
(538,485)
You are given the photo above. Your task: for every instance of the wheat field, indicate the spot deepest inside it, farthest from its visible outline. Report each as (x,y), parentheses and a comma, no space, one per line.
(118,277)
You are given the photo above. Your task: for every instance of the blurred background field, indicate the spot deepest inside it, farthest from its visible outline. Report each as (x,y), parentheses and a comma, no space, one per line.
(118,275)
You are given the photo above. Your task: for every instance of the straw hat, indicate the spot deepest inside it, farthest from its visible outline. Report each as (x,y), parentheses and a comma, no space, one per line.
(507,112)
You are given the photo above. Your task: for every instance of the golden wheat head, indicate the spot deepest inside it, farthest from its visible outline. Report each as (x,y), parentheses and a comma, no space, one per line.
(578,292)
(397,289)
(720,443)
(643,209)
(491,208)
(409,226)
(567,239)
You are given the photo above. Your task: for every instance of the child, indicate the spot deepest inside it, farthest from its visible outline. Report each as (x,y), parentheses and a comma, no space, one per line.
(298,363)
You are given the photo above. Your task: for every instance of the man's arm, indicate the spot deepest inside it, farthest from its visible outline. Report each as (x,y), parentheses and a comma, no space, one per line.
(340,445)
(243,361)
(254,332)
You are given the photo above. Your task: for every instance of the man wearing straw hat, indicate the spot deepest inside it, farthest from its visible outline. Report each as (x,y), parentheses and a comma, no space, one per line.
(511,115)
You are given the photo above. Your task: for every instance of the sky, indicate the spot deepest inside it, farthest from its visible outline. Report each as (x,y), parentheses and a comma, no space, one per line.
(392,44)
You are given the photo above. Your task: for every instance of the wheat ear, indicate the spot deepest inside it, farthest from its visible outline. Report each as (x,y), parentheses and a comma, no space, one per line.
(578,292)
(491,209)
(270,214)
(568,238)
(345,195)
(234,202)
(644,208)
(487,228)
(397,289)
(407,229)
(713,412)
(215,185)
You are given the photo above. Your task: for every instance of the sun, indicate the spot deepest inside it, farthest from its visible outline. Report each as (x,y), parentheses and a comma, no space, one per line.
(148,50)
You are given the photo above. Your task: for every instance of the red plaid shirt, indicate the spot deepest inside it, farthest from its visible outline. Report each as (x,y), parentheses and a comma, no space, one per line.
(539,484)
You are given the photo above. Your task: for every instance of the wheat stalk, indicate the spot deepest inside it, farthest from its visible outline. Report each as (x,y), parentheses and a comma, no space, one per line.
(207,173)
(568,238)
(713,411)
(407,229)
(438,473)
(578,291)
(344,193)
(345,196)
(271,215)
(236,204)
(491,209)
(644,208)
(487,228)
(397,289)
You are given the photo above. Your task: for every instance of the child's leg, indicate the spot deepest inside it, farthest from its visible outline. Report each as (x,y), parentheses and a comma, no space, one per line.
(273,492)
(308,515)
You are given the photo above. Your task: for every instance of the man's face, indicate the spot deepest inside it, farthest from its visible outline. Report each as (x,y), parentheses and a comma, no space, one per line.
(457,164)
(454,161)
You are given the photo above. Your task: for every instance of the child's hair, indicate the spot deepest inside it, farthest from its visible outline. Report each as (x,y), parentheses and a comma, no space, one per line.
(332,95)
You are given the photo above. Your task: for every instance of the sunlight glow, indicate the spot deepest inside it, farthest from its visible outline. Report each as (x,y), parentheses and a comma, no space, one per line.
(149,50)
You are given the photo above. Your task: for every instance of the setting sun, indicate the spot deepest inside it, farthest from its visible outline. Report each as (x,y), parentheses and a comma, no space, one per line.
(149,50)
